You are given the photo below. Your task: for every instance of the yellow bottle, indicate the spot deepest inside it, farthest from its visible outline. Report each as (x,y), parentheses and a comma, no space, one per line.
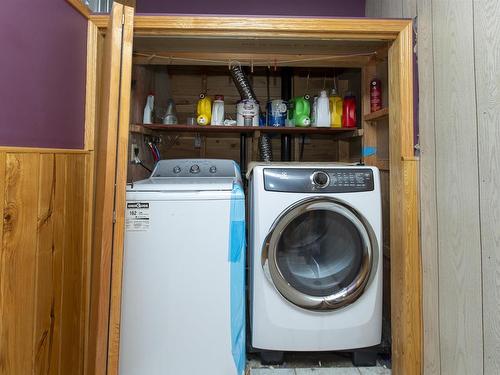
(336,103)
(204,110)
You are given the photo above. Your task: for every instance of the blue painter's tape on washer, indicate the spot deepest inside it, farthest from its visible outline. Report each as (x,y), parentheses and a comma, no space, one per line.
(237,246)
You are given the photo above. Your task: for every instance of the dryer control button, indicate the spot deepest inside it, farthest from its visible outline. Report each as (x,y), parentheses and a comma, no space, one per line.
(177,169)
(213,169)
(195,168)
(320,179)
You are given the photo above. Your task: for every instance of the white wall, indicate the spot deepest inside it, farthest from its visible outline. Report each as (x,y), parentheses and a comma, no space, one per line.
(458,48)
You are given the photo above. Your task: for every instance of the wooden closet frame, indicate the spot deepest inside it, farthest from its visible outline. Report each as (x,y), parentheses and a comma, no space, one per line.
(406,271)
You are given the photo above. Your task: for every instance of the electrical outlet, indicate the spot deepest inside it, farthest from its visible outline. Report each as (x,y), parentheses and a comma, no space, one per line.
(134,152)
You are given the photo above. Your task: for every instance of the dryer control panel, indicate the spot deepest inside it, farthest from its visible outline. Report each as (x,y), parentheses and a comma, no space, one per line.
(309,180)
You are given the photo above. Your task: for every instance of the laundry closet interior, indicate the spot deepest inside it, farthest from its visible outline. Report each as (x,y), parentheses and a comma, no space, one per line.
(181,57)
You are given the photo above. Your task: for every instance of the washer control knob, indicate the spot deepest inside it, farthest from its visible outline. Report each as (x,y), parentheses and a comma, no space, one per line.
(195,168)
(213,169)
(320,179)
(177,169)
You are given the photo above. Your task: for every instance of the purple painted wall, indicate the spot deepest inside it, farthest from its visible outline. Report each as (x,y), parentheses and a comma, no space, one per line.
(42,74)
(315,8)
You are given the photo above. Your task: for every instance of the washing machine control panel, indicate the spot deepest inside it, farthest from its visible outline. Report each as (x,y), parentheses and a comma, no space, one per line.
(327,180)
(198,168)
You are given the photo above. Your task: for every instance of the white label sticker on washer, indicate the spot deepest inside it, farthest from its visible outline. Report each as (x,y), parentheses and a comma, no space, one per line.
(137,218)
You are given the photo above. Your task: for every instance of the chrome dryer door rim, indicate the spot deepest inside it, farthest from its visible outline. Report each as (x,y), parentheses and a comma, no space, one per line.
(340,298)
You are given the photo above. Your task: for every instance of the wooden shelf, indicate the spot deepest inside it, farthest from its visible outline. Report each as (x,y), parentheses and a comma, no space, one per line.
(210,129)
(377,115)
(140,129)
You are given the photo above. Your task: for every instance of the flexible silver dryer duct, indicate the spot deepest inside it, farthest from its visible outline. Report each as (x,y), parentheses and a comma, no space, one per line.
(241,81)
(246,92)
(265,148)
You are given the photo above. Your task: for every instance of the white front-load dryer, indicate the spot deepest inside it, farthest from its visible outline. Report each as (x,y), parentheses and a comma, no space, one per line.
(315,257)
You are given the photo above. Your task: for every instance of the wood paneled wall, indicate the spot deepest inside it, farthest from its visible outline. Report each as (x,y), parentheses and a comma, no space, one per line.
(185,83)
(45,200)
(459,113)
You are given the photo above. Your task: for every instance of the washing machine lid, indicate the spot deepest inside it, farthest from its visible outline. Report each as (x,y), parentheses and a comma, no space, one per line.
(320,254)
(191,175)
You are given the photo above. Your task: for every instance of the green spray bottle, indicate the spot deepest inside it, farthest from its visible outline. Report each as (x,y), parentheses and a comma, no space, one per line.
(301,111)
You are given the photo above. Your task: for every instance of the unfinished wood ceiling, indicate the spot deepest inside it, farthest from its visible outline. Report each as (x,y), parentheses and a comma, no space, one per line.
(253,51)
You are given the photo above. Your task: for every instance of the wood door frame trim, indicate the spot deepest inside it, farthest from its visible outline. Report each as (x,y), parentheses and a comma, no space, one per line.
(91,86)
(105,157)
(329,28)
(406,272)
(406,268)
(120,192)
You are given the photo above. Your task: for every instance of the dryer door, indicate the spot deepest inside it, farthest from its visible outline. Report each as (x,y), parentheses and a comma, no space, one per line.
(320,254)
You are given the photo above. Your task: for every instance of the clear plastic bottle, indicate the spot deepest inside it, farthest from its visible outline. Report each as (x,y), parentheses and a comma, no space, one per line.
(314,112)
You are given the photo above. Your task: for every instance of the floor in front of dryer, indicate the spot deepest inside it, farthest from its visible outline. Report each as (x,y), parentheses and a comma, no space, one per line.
(316,364)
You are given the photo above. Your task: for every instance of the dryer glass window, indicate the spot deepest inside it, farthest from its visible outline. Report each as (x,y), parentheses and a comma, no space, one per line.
(320,252)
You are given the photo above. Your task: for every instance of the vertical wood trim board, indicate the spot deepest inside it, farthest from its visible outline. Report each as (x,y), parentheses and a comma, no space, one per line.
(58,262)
(44,331)
(72,333)
(428,199)
(120,198)
(91,85)
(106,184)
(19,262)
(41,268)
(88,243)
(487,71)
(460,289)
(406,319)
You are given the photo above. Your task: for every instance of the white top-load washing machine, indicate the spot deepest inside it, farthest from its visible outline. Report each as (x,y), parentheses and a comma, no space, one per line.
(315,257)
(183,299)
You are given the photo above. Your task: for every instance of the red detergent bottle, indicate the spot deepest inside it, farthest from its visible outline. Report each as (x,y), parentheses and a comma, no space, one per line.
(349,112)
